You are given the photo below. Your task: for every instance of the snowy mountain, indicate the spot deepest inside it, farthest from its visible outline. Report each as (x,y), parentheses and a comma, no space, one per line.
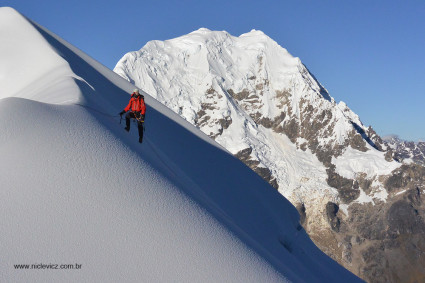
(80,194)
(264,106)
(244,92)
(406,151)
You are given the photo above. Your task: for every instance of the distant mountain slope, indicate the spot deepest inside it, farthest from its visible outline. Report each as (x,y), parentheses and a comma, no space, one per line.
(406,151)
(77,189)
(264,106)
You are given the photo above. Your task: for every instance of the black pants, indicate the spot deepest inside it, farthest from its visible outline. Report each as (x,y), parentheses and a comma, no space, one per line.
(139,123)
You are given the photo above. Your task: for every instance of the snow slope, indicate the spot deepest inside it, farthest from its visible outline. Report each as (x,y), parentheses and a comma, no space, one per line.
(77,188)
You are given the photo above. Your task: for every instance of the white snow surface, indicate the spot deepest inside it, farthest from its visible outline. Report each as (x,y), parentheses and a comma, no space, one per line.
(372,162)
(76,188)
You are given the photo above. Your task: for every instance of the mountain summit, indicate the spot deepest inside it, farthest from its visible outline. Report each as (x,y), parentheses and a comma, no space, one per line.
(263,105)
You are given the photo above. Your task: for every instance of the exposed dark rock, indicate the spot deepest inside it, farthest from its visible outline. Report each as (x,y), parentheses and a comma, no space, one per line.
(324,156)
(278,121)
(348,189)
(414,196)
(283,97)
(245,156)
(389,155)
(291,129)
(403,218)
(368,221)
(240,95)
(331,211)
(269,123)
(266,122)
(357,142)
(303,146)
(410,176)
(265,173)
(209,106)
(388,243)
(225,122)
(365,183)
(375,138)
(203,121)
(201,116)
(244,153)
(256,117)
(364,135)
(375,265)
(274,183)
(310,125)
(211,90)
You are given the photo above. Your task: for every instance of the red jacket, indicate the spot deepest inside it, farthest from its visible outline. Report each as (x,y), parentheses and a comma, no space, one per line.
(136,105)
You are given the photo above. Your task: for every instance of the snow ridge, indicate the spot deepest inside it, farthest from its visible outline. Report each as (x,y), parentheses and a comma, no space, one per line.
(84,191)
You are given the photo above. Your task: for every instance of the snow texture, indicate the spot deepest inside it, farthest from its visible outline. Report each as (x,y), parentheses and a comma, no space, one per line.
(372,162)
(77,188)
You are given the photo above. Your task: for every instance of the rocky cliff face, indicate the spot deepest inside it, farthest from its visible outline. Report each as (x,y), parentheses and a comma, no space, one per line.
(357,203)
(406,151)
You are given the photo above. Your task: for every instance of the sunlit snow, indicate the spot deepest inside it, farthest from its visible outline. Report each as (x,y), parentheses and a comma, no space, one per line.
(77,188)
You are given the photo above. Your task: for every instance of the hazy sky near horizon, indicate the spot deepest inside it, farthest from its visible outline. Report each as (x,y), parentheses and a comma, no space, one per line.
(369,54)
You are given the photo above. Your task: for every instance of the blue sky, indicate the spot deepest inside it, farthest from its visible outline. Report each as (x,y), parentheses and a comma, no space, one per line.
(369,54)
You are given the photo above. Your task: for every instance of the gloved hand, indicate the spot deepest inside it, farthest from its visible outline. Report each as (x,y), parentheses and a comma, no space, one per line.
(121,113)
(142,117)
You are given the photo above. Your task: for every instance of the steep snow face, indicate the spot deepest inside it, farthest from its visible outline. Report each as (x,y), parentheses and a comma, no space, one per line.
(75,188)
(251,95)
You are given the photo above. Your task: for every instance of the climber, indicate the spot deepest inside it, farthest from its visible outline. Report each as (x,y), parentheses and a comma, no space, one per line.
(137,109)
